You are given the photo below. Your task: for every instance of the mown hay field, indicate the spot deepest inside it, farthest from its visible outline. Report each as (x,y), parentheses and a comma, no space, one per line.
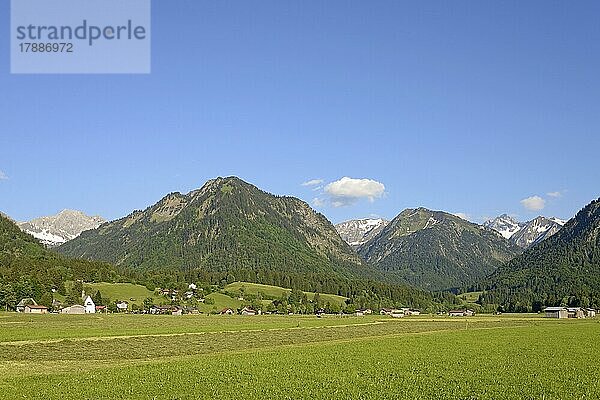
(294,357)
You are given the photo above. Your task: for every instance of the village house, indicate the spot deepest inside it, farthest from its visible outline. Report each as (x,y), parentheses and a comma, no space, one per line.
(74,309)
(122,306)
(176,311)
(227,311)
(25,302)
(590,312)
(90,307)
(35,309)
(392,312)
(161,310)
(556,312)
(101,309)
(248,311)
(461,313)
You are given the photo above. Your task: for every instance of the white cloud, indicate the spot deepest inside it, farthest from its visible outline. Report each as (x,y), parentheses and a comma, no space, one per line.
(3,176)
(313,182)
(555,194)
(464,216)
(534,203)
(317,202)
(347,191)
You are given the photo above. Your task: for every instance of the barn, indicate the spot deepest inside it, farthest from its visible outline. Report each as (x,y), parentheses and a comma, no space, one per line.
(556,312)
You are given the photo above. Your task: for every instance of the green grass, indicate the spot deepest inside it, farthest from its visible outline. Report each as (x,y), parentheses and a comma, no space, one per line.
(283,357)
(27,327)
(124,291)
(276,291)
(221,301)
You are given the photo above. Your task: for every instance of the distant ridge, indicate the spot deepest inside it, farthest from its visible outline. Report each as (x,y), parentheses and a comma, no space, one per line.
(563,269)
(57,229)
(525,234)
(436,250)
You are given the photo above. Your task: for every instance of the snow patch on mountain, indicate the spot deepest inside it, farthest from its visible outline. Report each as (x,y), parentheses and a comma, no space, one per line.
(358,231)
(505,225)
(57,229)
(525,234)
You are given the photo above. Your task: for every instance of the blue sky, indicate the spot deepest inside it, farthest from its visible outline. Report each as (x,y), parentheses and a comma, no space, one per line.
(465,106)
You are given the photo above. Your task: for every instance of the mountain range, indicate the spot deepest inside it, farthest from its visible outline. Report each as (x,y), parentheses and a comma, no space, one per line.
(57,229)
(525,234)
(226,228)
(562,269)
(230,230)
(436,250)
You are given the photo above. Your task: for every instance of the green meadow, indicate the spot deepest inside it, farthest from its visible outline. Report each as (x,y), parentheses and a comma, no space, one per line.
(297,357)
(134,294)
(276,292)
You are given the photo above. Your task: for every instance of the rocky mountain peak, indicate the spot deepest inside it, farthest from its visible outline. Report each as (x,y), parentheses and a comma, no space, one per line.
(57,229)
(358,231)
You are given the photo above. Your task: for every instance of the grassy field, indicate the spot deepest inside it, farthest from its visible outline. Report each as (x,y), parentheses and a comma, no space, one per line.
(276,291)
(221,301)
(297,357)
(123,291)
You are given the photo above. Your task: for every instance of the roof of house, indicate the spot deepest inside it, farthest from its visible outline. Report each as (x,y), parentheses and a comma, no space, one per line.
(36,307)
(26,301)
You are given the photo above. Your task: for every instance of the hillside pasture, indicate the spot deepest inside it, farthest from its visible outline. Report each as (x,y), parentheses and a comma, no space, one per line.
(277,292)
(123,291)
